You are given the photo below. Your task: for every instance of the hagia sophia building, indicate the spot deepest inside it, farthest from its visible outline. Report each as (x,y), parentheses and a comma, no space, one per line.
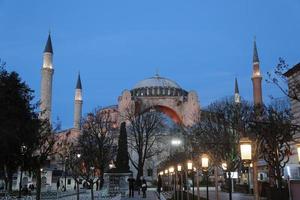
(157,92)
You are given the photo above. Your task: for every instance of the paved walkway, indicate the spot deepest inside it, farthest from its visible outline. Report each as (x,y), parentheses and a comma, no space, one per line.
(222,195)
(151,195)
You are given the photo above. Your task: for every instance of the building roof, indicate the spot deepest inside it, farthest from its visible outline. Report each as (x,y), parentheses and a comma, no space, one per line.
(157,81)
(293,70)
(48,47)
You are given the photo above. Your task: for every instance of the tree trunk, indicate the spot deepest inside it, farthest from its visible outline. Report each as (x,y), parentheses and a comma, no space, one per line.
(77,188)
(38,183)
(255,182)
(216,182)
(6,178)
(20,182)
(92,191)
(10,180)
(140,169)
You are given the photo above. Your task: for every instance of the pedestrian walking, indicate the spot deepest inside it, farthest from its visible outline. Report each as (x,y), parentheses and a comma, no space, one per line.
(144,187)
(131,182)
(159,185)
(138,184)
(57,184)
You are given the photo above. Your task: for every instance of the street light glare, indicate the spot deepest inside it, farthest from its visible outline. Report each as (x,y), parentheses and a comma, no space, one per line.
(246,150)
(224,166)
(204,160)
(179,168)
(176,142)
(190,165)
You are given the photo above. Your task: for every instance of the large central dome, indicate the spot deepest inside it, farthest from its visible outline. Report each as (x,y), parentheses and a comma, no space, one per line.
(157,81)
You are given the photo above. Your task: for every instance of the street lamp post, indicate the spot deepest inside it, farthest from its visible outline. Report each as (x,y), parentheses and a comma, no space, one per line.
(204,164)
(23,150)
(246,155)
(190,169)
(172,173)
(179,170)
(228,174)
(167,176)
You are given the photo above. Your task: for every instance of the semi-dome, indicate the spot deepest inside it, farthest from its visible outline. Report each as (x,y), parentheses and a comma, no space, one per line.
(157,81)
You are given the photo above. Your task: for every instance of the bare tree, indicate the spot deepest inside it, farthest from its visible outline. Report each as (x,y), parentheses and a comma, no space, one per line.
(100,131)
(144,135)
(279,77)
(42,150)
(274,132)
(73,165)
(218,132)
(90,166)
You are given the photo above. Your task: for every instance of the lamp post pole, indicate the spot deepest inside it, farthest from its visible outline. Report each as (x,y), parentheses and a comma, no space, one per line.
(179,169)
(23,149)
(175,184)
(187,188)
(246,156)
(190,169)
(205,165)
(197,184)
(230,185)
(173,174)
(193,182)
(181,185)
(207,192)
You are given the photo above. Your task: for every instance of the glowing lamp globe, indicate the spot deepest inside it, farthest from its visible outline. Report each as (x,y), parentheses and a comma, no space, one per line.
(204,161)
(246,149)
(190,165)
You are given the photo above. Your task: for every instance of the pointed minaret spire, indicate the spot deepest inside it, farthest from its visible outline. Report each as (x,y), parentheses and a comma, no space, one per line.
(256,78)
(46,83)
(78,85)
(48,47)
(255,54)
(237,97)
(236,87)
(78,104)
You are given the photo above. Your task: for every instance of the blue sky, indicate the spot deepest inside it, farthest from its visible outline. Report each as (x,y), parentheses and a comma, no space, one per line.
(201,44)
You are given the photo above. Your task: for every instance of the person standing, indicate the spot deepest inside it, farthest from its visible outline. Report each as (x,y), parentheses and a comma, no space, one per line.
(138,184)
(159,185)
(144,187)
(57,184)
(131,182)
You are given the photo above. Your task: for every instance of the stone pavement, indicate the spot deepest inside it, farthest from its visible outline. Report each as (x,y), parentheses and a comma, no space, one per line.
(151,195)
(222,195)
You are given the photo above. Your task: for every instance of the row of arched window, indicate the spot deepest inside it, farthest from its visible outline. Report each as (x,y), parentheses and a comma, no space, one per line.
(158,91)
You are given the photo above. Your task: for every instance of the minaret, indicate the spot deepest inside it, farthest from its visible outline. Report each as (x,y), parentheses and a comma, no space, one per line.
(237,97)
(256,78)
(78,104)
(46,83)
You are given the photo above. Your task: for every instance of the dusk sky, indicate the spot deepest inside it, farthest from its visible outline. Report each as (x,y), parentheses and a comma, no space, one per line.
(201,44)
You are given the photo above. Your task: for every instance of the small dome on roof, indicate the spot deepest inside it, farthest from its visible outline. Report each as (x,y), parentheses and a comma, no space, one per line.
(157,81)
